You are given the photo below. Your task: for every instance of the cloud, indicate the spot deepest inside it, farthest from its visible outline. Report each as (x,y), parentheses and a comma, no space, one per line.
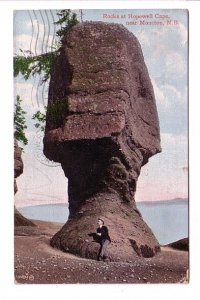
(22,41)
(165,174)
(176,64)
(172,95)
(34,25)
(159,95)
(172,141)
(39,183)
(31,101)
(30,32)
(25,91)
(45,33)
(183,32)
(163,39)
(168,95)
(171,91)
(143,37)
(30,134)
(165,51)
(37,45)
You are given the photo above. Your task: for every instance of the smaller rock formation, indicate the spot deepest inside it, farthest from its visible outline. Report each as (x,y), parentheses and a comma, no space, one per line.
(18,164)
(182,244)
(19,220)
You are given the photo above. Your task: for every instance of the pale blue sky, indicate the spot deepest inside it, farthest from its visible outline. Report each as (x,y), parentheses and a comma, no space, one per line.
(165,50)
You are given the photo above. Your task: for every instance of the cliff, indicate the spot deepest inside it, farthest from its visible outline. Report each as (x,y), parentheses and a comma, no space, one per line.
(19,220)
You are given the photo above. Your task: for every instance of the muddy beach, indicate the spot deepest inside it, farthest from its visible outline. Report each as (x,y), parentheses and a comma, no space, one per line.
(37,262)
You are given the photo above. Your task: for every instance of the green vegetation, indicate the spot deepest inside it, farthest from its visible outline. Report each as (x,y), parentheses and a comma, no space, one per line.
(20,122)
(69,19)
(57,111)
(28,65)
(41,119)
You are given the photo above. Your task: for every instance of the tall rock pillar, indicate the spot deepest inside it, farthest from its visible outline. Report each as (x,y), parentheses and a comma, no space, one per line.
(102,126)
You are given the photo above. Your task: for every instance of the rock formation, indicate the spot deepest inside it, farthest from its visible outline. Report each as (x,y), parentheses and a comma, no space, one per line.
(19,220)
(102,126)
(182,244)
(18,163)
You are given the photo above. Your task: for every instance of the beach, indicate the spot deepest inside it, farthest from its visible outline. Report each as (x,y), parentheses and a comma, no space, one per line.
(36,262)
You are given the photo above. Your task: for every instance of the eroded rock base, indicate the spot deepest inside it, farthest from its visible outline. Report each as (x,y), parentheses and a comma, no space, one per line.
(126,228)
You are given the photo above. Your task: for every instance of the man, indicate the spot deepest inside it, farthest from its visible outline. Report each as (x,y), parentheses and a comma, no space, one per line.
(104,239)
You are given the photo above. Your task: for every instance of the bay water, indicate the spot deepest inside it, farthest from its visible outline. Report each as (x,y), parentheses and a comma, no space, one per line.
(167,219)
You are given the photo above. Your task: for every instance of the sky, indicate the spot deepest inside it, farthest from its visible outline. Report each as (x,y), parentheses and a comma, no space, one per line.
(165,49)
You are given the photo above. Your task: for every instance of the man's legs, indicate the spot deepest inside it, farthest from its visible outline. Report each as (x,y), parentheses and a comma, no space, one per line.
(103,249)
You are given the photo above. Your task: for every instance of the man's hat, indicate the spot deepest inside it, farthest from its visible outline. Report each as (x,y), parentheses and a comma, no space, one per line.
(101,219)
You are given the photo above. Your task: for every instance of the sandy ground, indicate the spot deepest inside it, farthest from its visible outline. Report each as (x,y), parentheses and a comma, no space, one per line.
(37,262)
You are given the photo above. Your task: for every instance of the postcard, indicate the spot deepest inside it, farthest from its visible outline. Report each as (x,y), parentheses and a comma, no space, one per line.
(101,146)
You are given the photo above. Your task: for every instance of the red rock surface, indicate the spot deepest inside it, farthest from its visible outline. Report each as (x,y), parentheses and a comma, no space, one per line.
(18,170)
(102,126)
(18,163)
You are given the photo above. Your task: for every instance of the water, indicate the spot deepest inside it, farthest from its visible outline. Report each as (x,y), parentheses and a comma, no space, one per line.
(168,221)
(49,212)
